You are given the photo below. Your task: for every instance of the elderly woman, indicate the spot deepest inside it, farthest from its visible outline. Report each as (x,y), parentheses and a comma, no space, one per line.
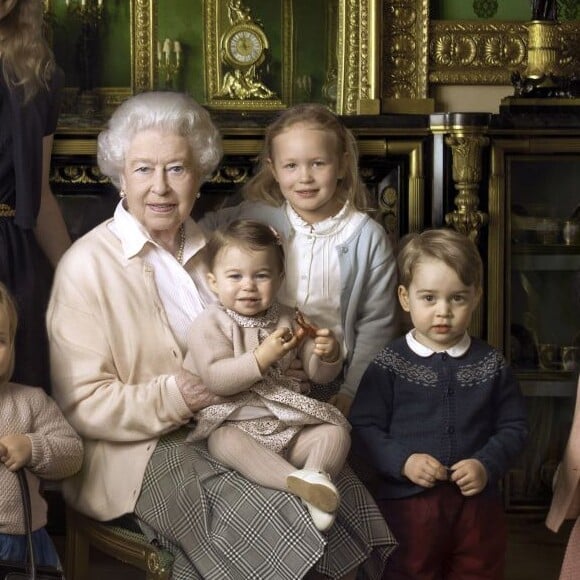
(122,302)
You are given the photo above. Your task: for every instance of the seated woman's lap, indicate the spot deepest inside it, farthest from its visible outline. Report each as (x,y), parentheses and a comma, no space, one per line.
(225,526)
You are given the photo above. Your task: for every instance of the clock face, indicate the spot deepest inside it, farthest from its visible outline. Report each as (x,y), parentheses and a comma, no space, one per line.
(244,45)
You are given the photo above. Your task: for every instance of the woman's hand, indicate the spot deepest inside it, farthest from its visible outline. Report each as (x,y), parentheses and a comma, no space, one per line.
(15,451)
(194,393)
(274,347)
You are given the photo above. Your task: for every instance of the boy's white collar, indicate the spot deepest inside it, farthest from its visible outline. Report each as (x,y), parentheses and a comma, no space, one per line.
(455,351)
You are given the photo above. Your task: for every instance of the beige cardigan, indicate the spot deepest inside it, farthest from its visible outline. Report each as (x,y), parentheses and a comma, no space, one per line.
(113,358)
(566,499)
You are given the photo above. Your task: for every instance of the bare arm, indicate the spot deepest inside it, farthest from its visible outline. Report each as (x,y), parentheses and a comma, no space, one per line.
(50,231)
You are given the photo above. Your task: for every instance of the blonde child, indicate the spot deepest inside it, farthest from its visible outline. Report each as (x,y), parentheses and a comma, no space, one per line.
(441,418)
(33,435)
(340,268)
(240,348)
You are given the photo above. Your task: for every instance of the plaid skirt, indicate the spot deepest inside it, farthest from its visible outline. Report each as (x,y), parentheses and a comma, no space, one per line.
(219,525)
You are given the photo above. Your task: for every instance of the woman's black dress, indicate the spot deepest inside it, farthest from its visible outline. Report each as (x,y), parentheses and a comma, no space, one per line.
(24,268)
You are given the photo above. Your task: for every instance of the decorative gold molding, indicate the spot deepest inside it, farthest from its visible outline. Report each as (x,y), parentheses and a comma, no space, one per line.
(484,53)
(357,50)
(404,56)
(466,150)
(466,52)
(83,174)
(416,183)
(230,174)
(142,39)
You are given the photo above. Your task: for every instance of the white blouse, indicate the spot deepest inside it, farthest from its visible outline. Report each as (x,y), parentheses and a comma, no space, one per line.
(182,289)
(312,281)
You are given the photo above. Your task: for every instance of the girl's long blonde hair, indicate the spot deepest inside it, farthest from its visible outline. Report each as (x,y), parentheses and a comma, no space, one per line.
(27,60)
(263,187)
(8,308)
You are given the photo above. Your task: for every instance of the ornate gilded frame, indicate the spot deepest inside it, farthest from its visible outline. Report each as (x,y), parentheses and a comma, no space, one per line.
(405,27)
(142,16)
(357,51)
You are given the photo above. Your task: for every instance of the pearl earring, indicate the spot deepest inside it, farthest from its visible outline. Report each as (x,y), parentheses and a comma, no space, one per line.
(122,194)
(197,195)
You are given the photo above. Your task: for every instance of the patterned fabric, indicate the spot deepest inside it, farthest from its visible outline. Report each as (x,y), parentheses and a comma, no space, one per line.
(270,318)
(219,525)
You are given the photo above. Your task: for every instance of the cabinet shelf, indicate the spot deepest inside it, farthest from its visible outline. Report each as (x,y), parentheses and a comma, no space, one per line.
(546,249)
(547,260)
(542,384)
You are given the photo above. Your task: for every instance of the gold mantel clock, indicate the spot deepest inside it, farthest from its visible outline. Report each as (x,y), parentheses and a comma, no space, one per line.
(244,45)
(237,59)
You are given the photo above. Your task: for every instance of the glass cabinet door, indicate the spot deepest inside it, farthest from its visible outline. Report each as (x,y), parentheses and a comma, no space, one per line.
(544,300)
(537,288)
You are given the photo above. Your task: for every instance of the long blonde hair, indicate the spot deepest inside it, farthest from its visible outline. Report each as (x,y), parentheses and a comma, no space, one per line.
(263,187)
(8,307)
(27,60)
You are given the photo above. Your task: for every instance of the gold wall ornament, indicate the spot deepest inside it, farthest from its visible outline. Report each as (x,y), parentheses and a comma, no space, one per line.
(466,150)
(487,53)
(465,52)
(544,48)
(236,52)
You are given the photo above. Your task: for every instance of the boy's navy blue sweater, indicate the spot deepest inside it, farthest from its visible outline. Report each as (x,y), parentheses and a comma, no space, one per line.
(450,408)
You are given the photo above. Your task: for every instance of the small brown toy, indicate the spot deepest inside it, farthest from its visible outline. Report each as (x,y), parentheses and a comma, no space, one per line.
(304,328)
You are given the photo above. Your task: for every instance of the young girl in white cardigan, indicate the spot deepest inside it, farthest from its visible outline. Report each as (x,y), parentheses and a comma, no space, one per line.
(240,348)
(34,436)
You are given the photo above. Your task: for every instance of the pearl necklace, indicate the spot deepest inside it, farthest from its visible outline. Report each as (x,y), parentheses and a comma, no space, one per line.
(181,247)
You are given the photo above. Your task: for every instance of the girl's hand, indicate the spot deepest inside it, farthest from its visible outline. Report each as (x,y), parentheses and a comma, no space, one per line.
(326,346)
(424,470)
(15,451)
(274,347)
(470,476)
(342,403)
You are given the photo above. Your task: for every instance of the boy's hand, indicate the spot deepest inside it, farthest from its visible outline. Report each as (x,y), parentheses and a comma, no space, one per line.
(424,470)
(326,346)
(470,476)
(15,451)
(275,347)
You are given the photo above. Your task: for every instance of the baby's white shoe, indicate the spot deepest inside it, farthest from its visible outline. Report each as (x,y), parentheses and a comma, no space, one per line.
(315,488)
(322,520)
